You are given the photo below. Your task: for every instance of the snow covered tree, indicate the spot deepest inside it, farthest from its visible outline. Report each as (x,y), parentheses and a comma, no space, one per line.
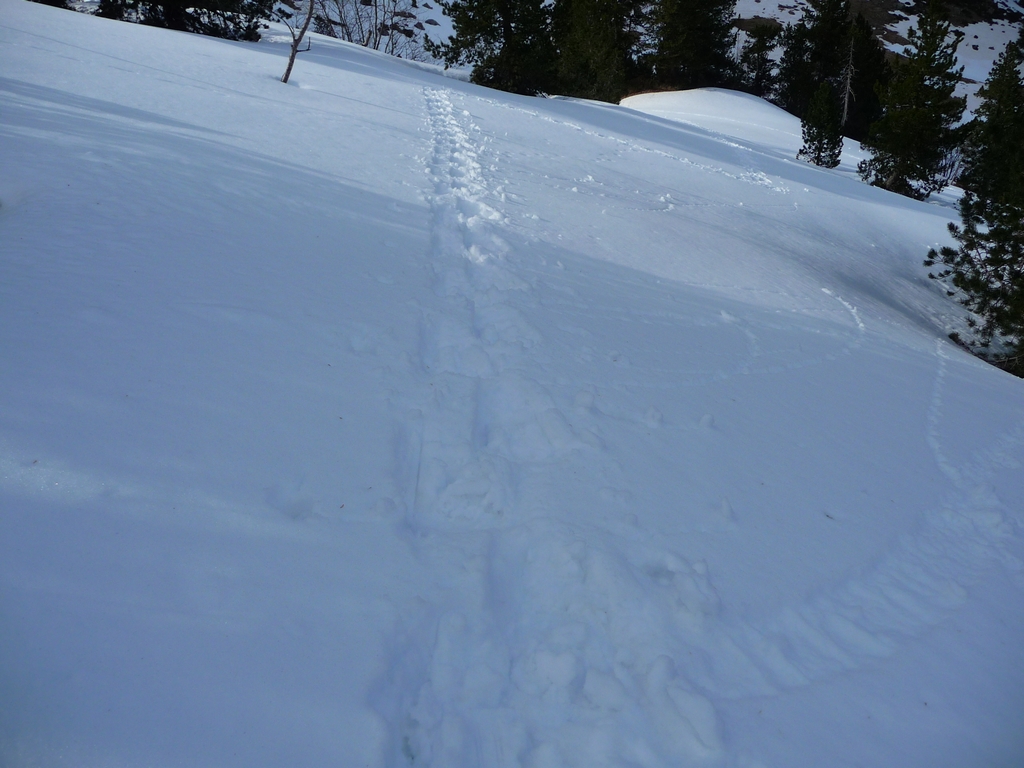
(815,50)
(914,145)
(508,42)
(694,42)
(988,266)
(823,141)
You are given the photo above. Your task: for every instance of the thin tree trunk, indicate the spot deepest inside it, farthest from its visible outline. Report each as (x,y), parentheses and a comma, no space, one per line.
(297,41)
(848,94)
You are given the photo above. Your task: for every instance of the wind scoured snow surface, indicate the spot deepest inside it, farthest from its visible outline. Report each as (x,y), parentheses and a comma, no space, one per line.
(383,420)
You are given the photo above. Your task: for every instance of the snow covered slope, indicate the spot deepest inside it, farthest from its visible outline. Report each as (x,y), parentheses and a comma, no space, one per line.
(383,420)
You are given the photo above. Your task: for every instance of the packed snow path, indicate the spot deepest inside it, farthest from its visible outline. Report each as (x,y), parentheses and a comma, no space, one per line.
(564,650)
(530,661)
(382,420)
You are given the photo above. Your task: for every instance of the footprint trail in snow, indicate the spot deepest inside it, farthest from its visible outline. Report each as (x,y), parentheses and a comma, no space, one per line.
(550,645)
(522,662)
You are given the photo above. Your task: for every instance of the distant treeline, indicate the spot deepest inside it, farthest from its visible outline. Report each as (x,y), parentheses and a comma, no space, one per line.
(392,26)
(606,49)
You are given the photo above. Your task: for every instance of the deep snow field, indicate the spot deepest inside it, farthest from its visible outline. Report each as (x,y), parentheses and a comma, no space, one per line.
(382,420)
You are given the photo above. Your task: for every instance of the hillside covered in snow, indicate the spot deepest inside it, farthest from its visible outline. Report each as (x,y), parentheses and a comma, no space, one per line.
(382,420)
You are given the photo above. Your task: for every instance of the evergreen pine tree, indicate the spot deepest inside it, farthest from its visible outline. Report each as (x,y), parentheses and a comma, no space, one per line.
(914,144)
(756,64)
(815,50)
(994,143)
(823,140)
(230,19)
(988,265)
(694,42)
(796,73)
(120,10)
(871,74)
(596,42)
(508,42)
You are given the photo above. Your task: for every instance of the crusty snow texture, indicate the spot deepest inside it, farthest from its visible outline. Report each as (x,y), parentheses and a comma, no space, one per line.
(381,420)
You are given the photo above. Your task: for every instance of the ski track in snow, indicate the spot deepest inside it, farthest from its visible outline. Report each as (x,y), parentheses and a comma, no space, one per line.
(908,590)
(520,658)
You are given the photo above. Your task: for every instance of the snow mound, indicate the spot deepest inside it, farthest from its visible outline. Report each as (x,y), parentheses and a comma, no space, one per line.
(730,113)
(737,117)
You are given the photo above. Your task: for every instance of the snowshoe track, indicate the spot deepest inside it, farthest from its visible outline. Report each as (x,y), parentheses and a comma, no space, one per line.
(517,657)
